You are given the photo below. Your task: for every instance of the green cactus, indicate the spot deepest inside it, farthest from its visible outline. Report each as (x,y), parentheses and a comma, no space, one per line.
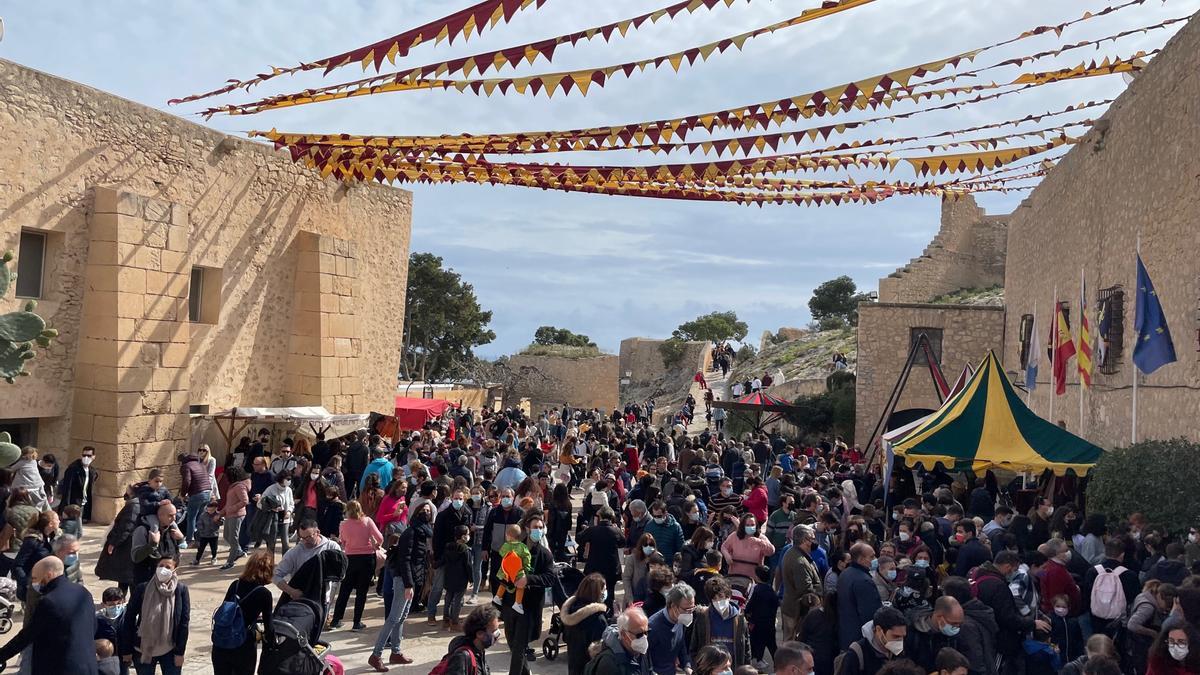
(18,333)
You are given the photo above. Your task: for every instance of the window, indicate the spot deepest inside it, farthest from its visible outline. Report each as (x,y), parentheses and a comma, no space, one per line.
(204,295)
(934,335)
(31,264)
(1110,327)
(1025,337)
(198,409)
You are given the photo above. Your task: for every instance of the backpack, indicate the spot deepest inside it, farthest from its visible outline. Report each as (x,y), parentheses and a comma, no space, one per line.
(443,666)
(1108,595)
(839,664)
(228,627)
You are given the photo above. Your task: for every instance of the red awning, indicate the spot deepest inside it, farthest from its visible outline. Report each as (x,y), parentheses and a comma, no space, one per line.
(413,413)
(763,399)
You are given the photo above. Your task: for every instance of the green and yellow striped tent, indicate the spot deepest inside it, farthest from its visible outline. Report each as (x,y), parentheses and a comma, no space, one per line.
(987,425)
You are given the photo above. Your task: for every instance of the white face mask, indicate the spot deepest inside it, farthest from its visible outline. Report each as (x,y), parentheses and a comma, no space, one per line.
(904,536)
(1062,611)
(895,647)
(1178,652)
(1192,538)
(640,645)
(86,460)
(685,619)
(164,573)
(721,605)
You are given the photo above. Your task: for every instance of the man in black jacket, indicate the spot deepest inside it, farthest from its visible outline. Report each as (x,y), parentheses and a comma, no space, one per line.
(991,584)
(1114,557)
(77,482)
(443,534)
(357,456)
(519,627)
(61,629)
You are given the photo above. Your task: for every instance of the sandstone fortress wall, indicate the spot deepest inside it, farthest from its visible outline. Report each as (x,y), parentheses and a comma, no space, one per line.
(551,381)
(304,278)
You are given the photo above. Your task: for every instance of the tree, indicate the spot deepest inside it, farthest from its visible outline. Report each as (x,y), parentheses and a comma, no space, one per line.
(834,304)
(1124,478)
(443,322)
(714,327)
(672,350)
(549,335)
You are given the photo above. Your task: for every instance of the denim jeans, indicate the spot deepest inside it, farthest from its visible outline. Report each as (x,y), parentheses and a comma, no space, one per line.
(476,567)
(166,662)
(435,592)
(393,629)
(195,506)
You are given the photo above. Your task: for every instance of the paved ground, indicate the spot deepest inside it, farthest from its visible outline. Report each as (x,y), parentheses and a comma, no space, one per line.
(719,385)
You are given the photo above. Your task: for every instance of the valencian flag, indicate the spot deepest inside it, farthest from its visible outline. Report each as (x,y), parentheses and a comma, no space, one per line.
(1154,348)
(1063,347)
(1083,353)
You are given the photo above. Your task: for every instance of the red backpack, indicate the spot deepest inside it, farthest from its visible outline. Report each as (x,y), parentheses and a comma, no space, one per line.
(444,665)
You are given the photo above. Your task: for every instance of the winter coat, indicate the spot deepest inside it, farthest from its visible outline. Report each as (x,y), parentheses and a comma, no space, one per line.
(34,547)
(1168,572)
(409,557)
(583,624)
(456,565)
(744,555)
(459,654)
(1056,580)
(977,638)
(668,537)
(497,521)
(130,638)
(857,602)
(992,590)
(800,577)
(71,488)
(236,499)
(117,566)
(702,635)
(443,530)
(194,477)
(613,659)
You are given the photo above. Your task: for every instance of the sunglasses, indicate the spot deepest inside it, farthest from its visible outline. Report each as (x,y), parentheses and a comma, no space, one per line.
(642,634)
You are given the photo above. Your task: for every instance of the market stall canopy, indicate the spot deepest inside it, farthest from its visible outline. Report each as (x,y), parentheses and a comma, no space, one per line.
(753,406)
(900,433)
(307,419)
(987,425)
(413,413)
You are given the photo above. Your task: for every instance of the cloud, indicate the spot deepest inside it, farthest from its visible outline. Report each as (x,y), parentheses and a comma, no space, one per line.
(609,267)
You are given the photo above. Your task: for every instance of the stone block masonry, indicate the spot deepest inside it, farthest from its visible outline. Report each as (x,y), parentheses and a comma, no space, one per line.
(302,278)
(551,381)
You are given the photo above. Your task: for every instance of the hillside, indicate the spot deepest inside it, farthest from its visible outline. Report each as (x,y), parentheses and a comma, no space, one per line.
(808,357)
(990,297)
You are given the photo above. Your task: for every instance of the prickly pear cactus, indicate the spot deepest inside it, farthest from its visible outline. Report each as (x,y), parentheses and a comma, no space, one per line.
(9,453)
(18,333)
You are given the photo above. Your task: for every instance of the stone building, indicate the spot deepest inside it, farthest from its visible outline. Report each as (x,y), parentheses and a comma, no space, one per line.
(550,381)
(1132,176)
(187,271)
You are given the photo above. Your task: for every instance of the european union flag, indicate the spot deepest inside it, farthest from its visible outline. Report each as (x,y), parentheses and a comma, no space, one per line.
(1154,348)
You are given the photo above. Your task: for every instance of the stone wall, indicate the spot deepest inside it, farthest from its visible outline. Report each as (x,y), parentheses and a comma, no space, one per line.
(550,381)
(967,252)
(641,363)
(304,273)
(968,332)
(1135,173)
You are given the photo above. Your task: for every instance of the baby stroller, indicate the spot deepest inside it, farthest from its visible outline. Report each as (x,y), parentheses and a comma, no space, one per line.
(298,649)
(569,579)
(8,596)
(741,590)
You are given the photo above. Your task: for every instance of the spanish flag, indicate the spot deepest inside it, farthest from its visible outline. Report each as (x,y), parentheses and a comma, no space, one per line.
(1083,353)
(1062,348)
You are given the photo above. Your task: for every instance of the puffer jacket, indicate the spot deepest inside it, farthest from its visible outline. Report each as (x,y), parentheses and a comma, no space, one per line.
(194,477)
(583,624)
(668,537)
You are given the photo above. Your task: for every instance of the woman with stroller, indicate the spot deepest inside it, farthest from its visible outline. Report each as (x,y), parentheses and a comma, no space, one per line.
(584,617)
(154,633)
(252,593)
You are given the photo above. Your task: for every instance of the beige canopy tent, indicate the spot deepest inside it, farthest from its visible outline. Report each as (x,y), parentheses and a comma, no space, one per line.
(306,420)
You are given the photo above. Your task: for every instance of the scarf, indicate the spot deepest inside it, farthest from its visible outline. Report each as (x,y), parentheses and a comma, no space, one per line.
(157,619)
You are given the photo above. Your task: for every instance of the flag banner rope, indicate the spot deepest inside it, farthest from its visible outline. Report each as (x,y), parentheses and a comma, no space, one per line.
(471,20)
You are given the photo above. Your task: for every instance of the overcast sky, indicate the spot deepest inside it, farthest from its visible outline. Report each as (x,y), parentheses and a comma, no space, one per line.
(610,267)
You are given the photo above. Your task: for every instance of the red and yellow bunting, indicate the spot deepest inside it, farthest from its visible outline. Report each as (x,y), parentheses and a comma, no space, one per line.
(472,20)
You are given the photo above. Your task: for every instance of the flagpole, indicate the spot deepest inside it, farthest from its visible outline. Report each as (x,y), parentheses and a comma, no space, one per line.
(1033,339)
(1082,318)
(1133,429)
(1054,338)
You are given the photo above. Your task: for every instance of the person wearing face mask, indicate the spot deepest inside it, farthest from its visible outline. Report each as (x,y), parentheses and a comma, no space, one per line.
(799,576)
(991,582)
(155,629)
(449,520)
(66,548)
(971,552)
(747,550)
(77,482)
(667,533)
(584,616)
(721,624)
(360,539)
(498,520)
(521,627)
(667,640)
(998,525)
(1172,652)
(1056,579)
(884,577)
(978,631)
(480,509)
(467,653)
(273,513)
(933,630)
(406,561)
(623,647)
(867,655)
(58,637)
(725,497)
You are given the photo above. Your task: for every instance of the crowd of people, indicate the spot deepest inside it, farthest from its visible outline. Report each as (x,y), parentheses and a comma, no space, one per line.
(656,550)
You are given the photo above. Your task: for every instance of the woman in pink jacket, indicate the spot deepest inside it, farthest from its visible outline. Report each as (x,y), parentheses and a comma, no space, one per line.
(391,508)
(360,539)
(237,496)
(745,550)
(756,501)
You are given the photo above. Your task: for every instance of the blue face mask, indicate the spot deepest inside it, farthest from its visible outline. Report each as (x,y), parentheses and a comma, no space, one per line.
(456,503)
(506,502)
(647,550)
(875,564)
(751,529)
(71,560)
(890,575)
(535,535)
(922,563)
(950,631)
